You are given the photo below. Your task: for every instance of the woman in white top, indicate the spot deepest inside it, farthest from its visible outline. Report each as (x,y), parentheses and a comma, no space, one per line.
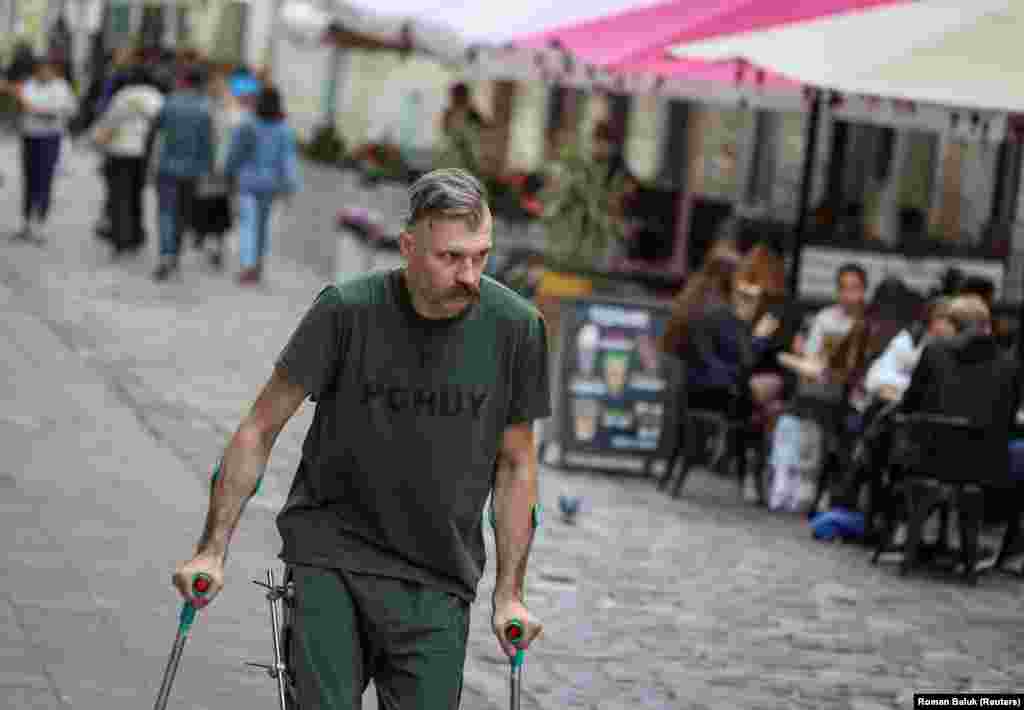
(47,103)
(889,375)
(124,132)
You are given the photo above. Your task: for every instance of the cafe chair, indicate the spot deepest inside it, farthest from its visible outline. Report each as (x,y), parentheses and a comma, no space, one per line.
(733,437)
(936,461)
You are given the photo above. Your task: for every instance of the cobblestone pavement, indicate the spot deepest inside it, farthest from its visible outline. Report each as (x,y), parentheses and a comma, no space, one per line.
(124,392)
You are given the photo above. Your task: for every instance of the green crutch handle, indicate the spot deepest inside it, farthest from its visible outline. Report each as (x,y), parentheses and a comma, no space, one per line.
(514,633)
(216,475)
(200,588)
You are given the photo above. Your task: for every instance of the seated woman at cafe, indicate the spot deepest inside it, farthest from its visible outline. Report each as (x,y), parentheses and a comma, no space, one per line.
(771,383)
(885,383)
(712,329)
(889,375)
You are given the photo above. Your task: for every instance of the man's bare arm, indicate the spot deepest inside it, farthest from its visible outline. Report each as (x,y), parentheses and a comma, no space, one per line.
(245,461)
(515,494)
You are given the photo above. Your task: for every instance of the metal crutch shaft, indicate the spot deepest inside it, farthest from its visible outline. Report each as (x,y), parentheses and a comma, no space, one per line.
(514,633)
(200,587)
(515,629)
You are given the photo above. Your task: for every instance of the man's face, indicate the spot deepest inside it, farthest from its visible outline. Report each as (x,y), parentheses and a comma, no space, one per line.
(45,71)
(941,327)
(122,58)
(218,86)
(446,259)
(851,293)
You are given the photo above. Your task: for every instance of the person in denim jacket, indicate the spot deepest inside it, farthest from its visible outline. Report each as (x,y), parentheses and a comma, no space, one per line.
(263,161)
(185,129)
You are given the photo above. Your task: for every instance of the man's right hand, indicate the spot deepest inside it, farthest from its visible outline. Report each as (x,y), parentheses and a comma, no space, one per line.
(200,564)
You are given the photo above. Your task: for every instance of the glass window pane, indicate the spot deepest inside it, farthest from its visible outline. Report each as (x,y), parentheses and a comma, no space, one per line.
(722,131)
(789,169)
(184,28)
(120,23)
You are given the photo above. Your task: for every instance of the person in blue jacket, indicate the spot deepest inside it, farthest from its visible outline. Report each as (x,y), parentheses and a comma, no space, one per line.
(185,129)
(263,161)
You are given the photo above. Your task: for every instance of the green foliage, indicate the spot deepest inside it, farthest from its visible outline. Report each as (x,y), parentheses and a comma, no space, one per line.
(462,149)
(326,146)
(8,105)
(578,219)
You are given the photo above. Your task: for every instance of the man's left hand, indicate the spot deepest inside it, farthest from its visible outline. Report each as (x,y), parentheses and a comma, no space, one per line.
(504,612)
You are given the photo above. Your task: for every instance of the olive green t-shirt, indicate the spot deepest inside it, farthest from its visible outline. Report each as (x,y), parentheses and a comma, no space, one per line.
(400,458)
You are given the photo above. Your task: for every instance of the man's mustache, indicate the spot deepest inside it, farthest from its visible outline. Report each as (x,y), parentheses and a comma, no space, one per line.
(466,291)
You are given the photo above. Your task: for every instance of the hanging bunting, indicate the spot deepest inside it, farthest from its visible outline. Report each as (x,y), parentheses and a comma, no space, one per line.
(741,69)
(904,106)
(1015,127)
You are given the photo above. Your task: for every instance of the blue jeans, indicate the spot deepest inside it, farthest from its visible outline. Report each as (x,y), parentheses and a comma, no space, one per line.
(176,199)
(39,155)
(254,226)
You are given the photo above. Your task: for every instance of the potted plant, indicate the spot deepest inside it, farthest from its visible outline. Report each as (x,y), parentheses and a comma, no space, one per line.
(580,216)
(581,225)
(326,146)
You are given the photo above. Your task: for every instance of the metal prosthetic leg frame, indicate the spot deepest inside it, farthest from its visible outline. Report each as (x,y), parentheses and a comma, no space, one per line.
(279,670)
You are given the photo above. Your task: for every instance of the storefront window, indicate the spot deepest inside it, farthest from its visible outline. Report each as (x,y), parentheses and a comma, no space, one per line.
(153,26)
(723,131)
(978,172)
(789,167)
(230,35)
(184,29)
(120,21)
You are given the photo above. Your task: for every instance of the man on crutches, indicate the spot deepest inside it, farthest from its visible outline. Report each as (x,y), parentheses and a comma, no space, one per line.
(427,380)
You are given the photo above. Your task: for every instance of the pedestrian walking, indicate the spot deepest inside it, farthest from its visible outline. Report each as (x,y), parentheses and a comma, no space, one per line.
(94,105)
(427,381)
(47,103)
(123,133)
(263,161)
(185,131)
(231,104)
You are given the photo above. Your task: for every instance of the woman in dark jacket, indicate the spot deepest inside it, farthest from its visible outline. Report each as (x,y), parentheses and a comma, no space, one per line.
(712,330)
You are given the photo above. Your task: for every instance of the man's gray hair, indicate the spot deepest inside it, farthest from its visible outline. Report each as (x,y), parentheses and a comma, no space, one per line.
(447,193)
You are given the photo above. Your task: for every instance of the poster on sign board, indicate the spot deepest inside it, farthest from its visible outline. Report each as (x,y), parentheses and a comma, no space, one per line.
(617,391)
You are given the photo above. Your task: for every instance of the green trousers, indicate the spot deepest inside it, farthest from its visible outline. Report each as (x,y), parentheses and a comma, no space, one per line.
(349,628)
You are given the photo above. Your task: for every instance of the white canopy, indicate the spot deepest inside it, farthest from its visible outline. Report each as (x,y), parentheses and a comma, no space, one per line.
(944,52)
(447,29)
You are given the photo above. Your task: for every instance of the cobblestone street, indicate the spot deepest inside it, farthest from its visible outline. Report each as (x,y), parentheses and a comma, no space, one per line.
(122,393)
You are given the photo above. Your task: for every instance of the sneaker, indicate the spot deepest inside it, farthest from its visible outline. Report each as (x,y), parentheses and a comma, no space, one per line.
(37,233)
(165,271)
(750,492)
(249,277)
(23,234)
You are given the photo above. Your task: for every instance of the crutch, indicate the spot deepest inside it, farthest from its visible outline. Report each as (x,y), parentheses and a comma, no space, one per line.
(515,629)
(514,632)
(200,587)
